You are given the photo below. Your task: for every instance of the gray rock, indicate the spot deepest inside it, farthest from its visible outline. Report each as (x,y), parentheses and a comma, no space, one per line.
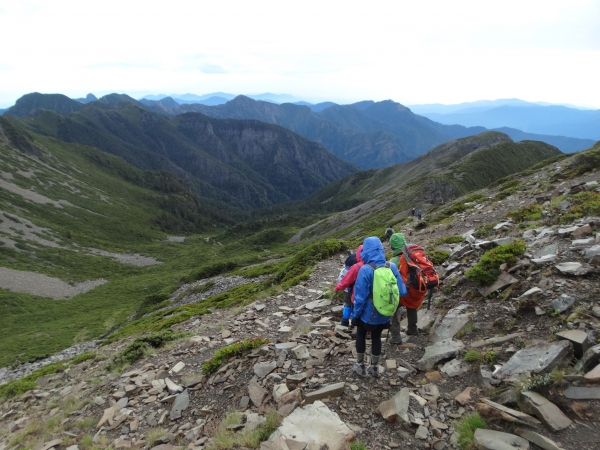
(182,401)
(302,324)
(450,325)
(497,440)
(507,398)
(279,390)
(589,360)
(502,241)
(264,368)
(287,346)
(456,367)
(396,408)
(256,393)
(548,250)
(562,303)
(574,268)
(546,259)
(439,351)
(244,402)
(253,421)
(538,439)
(301,352)
(578,338)
(582,393)
(581,243)
(592,254)
(505,279)
(421,432)
(534,403)
(317,424)
(537,357)
(332,390)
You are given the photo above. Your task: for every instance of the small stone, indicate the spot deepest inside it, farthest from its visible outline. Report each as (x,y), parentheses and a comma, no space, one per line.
(593,376)
(534,403)
(464,397)
(422,432)
(256,393)
(301,352)
(279,390)
(455,367)
(562,303)
(538,439)
(434,376)
(437,352)
(578,338)
(496,440)
(333,390)
(390,364)
(396,408)
(264,368)
(225,334)
(244,402)
(582,393)
(178,367)
(181,402)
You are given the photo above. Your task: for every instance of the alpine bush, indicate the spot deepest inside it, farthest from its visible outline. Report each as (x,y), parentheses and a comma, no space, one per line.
(487,270)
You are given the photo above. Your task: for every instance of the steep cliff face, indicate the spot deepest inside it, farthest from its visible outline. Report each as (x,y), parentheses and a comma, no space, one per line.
(248,164)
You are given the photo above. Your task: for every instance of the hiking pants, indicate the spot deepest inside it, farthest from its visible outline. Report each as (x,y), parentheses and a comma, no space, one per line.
(361,336)
(348,299)
(411,315)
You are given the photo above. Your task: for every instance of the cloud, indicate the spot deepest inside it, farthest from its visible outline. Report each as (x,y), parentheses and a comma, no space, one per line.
(211,68)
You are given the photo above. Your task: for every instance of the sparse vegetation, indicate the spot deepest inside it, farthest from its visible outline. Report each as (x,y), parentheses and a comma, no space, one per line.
(224,439)
(438,257)
(526,213)
(449,240)
(473,356)
(231,350)
(466,429)
(487,270)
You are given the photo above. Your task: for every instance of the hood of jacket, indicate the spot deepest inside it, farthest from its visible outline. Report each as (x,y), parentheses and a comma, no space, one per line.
(358,256)
(373,252)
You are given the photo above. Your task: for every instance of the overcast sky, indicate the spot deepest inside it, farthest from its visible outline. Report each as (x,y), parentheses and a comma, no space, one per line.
(410,51)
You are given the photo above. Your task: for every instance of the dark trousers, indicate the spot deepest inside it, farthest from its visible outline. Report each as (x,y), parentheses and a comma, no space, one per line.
(361,336)
(411,315)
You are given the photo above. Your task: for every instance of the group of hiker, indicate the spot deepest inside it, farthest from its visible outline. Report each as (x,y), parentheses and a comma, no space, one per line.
(376,292)
(416,212)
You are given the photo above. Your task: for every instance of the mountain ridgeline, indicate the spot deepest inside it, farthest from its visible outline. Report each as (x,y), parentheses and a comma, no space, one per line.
(448,171)
(243,164)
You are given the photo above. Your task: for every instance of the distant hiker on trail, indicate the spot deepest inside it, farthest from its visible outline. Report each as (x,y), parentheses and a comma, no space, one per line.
(412,212)
(377,292)
(346,283)
(417,274)
(419,214)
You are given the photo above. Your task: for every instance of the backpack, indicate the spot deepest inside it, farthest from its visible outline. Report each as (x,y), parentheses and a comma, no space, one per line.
(385,295)
(422,276)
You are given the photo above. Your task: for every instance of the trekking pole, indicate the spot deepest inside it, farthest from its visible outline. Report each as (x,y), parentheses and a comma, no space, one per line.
(429,299)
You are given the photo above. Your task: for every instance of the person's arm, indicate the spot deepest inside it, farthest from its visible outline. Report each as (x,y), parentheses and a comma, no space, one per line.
(348,279)
(401,286)
(362,290)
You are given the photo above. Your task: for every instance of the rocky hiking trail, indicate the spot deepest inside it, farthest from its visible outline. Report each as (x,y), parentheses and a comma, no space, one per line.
(523,353)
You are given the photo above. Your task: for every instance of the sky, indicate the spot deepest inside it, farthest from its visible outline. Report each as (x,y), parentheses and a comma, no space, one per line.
(413,52)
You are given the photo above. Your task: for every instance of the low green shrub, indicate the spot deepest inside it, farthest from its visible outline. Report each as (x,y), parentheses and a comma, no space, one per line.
(526,213)
(438,257)
(487,270)
(225,353)
(449,240)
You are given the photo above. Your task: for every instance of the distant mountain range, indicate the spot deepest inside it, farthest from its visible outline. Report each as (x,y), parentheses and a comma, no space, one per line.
(218,98)
(537,118)
(244,164)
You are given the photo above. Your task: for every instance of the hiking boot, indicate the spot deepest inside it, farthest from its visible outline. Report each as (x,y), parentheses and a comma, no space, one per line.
(396,339)
(345,322)
(359,369)
(411,332)
(373,371)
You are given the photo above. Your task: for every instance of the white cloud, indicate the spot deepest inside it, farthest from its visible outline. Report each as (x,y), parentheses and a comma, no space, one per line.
(413,52)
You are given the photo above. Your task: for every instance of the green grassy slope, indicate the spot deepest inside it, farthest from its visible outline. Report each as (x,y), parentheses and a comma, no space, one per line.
(111,206)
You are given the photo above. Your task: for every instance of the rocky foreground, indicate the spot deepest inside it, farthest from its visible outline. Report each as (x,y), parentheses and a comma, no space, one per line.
(523,353)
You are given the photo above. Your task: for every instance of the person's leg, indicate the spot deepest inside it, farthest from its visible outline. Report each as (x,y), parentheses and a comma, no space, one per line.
(411,315)
(373,370)
(395,329)
(361,345)
(347,309)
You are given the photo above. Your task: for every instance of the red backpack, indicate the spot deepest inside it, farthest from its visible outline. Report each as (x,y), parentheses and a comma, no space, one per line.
(422,276)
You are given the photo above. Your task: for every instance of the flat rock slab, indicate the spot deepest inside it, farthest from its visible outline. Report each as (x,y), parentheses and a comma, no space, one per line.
(333,390)
(536,404)
(593,376)
(284,346)
(300,352)
(451,324)
(456,367)
(264,368)
(396,408)
(256,393)
(505,279)
(537,357)
(425,319)
(437,352)
(182,401)
(316,424)
(574,268)
(582,393)
(497,440)
(578,338)
(538,439)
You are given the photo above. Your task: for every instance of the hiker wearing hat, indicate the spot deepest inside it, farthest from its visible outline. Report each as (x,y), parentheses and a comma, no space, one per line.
(370,313)
(346,283)
(412,301)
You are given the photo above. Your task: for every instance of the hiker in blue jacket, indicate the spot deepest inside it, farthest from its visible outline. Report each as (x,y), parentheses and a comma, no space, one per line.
(364,316)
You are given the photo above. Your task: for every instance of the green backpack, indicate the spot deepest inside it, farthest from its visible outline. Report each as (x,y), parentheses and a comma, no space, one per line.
(386,296)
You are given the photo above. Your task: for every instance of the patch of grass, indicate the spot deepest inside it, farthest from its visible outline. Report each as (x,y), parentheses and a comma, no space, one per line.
(83,357)
(449,240)
(231,350)
(437,257)
(489,357)
(154,434)
(203,287)
(225,439)
(466,429)
(526,213)
(468,328)
(357,445)
(473,356)
(143,346)
(487,270)
(484,231)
